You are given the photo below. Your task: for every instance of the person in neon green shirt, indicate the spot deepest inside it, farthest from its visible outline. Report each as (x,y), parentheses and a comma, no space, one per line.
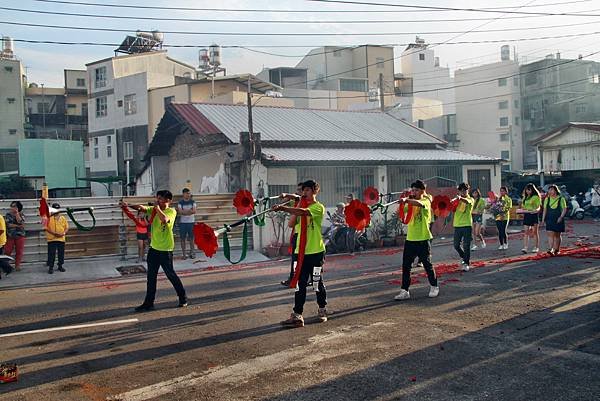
(314,251)
(462,223)
(295,226)
(531,205)
(503,218)
(555,208)
(417,240)
(162,244)
(477,215)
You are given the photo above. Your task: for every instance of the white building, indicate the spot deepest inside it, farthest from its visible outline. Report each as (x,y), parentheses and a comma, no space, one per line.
(119,112)
(12,109)
(488,110)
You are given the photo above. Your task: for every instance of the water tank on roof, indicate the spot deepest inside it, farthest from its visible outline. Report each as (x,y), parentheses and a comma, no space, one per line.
(146,35)
(214,53)
(158,35)
(505,53)
(8,46)
(203,58)
(33,85)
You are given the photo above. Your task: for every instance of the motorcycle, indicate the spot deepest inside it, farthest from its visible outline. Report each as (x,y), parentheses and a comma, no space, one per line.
(574,210)
(340,239)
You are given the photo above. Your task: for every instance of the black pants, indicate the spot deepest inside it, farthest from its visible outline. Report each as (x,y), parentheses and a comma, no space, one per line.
(55,247)
(310,261)
(294,255)
(162,259)
(422,250)
(463,234)
(501,226)
(4,265)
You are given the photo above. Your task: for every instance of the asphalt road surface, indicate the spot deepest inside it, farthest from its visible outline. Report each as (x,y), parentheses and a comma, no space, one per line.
(507,330)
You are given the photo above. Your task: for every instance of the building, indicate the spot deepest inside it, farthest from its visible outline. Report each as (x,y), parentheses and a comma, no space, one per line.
(488,110)
(427,86)
(58,163)
(119,109)
(555,91)
(573,151)
(207,146)
(12,114)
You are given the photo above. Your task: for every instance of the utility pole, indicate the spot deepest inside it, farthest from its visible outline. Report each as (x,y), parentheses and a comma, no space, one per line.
(381,95)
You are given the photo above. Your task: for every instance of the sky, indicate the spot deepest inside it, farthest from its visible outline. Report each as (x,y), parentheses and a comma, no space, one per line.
(45,62)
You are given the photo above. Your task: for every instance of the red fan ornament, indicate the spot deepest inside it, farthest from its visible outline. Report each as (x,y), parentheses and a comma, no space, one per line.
(358,215)
(205,239)
(405,212)
(243,202)
(371,195)
(441,206)
(492,196)
(44,211)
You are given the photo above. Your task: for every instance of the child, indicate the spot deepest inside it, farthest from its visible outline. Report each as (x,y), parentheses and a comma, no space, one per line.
(141,231)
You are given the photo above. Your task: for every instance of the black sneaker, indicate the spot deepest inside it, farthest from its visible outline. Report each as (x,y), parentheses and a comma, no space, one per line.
(144,308)
(61,269)
(50,270)
(285,283)
(182,304)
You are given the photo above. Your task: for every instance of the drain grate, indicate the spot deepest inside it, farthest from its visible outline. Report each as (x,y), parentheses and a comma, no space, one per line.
(131,269)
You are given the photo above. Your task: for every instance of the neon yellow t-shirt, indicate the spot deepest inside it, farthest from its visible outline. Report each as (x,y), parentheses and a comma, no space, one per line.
(314,238)
(507,205)
(462,215)
(478,206)
(162,234)
(58,225)
(418,226)
(551,203)
(532,203)
(2,231)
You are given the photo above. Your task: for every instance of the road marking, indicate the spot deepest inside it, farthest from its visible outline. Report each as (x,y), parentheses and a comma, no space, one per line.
(73,327)
(243,371)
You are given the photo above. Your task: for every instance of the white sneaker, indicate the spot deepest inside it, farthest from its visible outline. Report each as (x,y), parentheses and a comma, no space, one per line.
(524,250)
(506,246)
(501,247)
(434,292)
(403,295)
(535,250)
(462,262)
(474,248)
(466,268)
(483,244)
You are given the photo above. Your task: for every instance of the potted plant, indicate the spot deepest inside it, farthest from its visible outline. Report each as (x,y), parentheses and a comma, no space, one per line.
(278,246)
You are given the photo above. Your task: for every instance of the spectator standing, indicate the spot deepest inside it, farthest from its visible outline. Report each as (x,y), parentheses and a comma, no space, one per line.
(56,235)
(186,209)
(15,228)
(596,202)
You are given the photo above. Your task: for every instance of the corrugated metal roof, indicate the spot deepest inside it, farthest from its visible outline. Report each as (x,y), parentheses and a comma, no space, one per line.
(548,135)
(291,124)
(369,154)
(194,119)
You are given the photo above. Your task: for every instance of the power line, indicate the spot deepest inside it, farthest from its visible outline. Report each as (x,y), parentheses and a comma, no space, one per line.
(146,7)
(82,28)
(261,21)
(438,8)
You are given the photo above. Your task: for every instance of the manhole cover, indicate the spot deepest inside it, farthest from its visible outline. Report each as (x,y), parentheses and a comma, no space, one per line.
(132,269)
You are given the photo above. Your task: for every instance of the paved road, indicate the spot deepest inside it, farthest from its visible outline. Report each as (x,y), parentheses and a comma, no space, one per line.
(522,330)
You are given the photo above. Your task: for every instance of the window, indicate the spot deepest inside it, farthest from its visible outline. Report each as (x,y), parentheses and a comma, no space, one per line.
(128,150)
(502,82)
(421,56)
(84,109)
(420,123)
(337,53)
(516,81)
(531,78)
(355,85)
(109,139)
(504,121)
(380,62)
(130,105)
(595,79)
(96,155)
(109,151)
(43,107)
(119,103)
(580,108)
(80,82)
(505,154)
(101,107)
(8,68)
(517,121)
(506,167)
(10,100)
(516,104)
(503,105)
(100,74)
(168,100)
(12,132)
(71,106)
(504,138)
(96,141)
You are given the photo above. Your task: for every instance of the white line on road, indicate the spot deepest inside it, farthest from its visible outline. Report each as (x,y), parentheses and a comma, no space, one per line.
(74,327)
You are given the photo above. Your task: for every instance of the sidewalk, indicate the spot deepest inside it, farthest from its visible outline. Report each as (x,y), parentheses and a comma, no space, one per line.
(83,269)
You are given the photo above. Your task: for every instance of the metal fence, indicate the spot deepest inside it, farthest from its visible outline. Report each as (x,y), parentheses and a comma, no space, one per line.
(114,234)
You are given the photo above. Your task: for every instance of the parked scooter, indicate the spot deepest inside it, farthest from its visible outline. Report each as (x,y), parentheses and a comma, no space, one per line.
(574,210)
(340,239)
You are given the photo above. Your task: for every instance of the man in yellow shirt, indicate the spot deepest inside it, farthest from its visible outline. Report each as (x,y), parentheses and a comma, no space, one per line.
(56,235)
(4,265)
(314,252)
(417,241)
(463,222)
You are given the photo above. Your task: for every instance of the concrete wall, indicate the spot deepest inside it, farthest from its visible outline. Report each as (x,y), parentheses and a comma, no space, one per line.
(12,115)
(156,103)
